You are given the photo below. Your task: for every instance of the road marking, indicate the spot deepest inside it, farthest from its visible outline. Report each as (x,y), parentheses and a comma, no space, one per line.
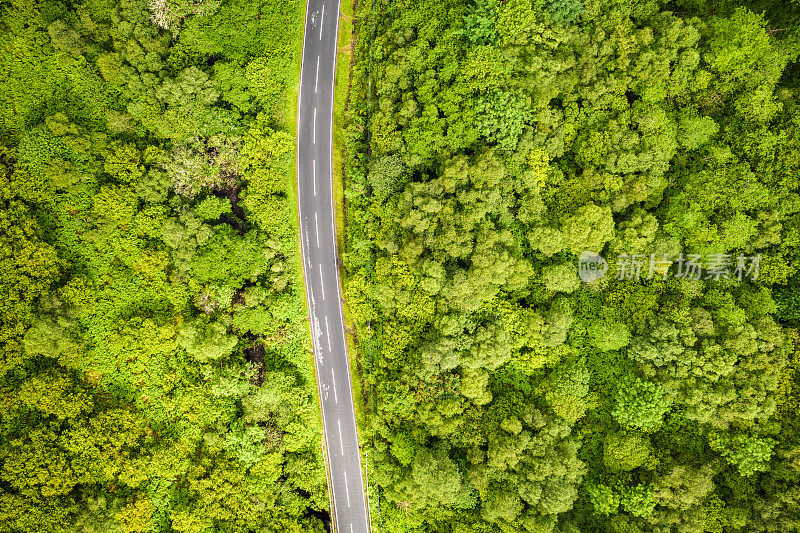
(328,332)
(322,22)
(321,282)
(316,78)
(316,226)
(351,527)
(335,396)
(346,488)
(314,173)
(314,136)
(341,442)
(304,247)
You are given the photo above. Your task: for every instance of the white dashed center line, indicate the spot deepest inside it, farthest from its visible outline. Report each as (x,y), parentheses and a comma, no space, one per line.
(347,489)
(316,78)
(316,227)
(322,22)
(328,332)
(333,378)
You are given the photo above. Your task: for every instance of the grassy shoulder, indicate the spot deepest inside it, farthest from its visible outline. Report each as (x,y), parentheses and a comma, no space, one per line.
(344,63)
(344,57)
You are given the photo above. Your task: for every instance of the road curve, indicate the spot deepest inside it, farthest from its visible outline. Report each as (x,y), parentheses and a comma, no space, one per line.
(320,265)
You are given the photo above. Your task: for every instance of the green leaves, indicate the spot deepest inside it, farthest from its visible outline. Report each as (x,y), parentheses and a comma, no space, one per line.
(641,405)
(101,445)
(262,82)
(204,163)
(207,341)
(191,86)
(123,164)
(608,336)
(228,259)
(268,167)
(501,141)
(567,388)
(604,499)
(38,467)
(748,453)
(246,444)
(501,116)
(639,500)
(748,62)
(212,207)
(588,229)
(479,24)
(562,11)
(437,478)
(28,266)
(736,44)
(561,278)
(55,394)
(624,451)
(387,175)
(113,382)
(694,131)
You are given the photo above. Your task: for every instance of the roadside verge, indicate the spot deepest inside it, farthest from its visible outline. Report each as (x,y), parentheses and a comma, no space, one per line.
(344,67)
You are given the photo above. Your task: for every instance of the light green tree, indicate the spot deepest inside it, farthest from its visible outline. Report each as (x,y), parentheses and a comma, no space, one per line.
(641,405)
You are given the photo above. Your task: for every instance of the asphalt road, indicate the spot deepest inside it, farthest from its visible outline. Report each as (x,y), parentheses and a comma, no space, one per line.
(320,265)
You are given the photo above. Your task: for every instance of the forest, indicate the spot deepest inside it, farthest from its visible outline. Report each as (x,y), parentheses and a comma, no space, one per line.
(155,367)
(489,145)
(155,363)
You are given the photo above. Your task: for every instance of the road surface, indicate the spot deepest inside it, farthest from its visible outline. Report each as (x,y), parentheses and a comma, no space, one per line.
(320,265)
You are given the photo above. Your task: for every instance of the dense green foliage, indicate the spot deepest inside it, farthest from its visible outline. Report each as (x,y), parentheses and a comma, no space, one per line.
(489,144)
(154,356)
